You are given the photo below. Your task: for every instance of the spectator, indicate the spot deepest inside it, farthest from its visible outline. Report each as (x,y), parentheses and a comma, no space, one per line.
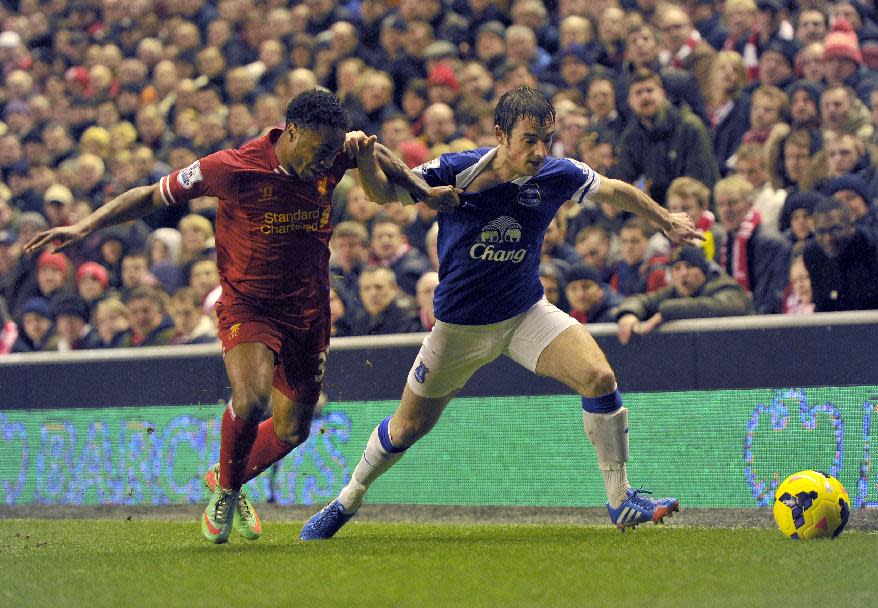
(842,261)
(390,249)
(804,105)
(425,289)
(683,47)
(593,244)
(196,233)
(163,249)
(552,280)
(191,325)
(92,283)
(35,329)
(350,253)
(204,277)
(110,318)
(812,25)
(383,311)
(53,274)
(662,143)
(338,322)
(555,247)
(798,299)
(789,155)
(768,107)
(58,202)
(757,262)
(150,326)
(841,111)
(634,273)
(843,61)
(71,315)
(590,299)
(852,191)
(750,162)
(697,291)
(796,219)
(728,106)
(359,208)
(691,197)
(135,272)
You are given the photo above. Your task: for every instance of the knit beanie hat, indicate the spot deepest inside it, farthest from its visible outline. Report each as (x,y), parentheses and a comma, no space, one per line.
(842,42)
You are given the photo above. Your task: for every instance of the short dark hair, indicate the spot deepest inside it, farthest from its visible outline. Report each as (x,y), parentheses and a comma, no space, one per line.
(316,108)
(520,103)
(645,75)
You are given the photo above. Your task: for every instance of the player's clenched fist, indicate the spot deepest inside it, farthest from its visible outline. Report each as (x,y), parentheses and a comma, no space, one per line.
(443,198)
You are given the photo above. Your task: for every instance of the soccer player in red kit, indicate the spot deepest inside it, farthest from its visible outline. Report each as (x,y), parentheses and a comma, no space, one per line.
(272,236)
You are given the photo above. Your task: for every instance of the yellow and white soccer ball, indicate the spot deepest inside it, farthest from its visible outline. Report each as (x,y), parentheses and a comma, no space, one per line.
(811,504)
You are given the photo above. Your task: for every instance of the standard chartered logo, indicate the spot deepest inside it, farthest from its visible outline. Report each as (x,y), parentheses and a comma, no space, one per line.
(494,239)
(300,219)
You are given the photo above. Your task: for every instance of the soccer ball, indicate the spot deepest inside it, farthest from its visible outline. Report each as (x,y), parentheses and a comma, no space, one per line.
(810,504)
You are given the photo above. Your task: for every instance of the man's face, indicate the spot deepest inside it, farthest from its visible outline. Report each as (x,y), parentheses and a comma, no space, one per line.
(69,327)
(386,240)
(377,291)
(144,315)
(773,68)
(843,154)
(551,289)
(528,145)
(134,269)
(764,113)
(685,204)
(802,107)
(394,132)
(687,278)
(732,209)
(185,317)
(833,230)
(349,251)
(633,245)
(646,98)
(838,69)
(796,159)
(203,277)
(811,27)
(601,99)
(835,106)
(315,149)
(594,250)
(583,295)
(642,47)
(675,30)
(857,207)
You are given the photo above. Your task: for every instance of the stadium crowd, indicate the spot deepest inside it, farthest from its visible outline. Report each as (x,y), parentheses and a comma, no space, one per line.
(756,117)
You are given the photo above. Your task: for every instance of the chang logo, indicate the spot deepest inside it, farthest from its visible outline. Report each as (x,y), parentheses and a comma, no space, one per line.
(496,233)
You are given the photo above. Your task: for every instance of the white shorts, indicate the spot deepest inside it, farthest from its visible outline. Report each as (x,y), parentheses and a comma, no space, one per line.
(451,354)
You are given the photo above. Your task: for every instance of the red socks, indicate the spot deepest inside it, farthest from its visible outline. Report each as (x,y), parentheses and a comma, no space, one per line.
(237,439)
(267,450)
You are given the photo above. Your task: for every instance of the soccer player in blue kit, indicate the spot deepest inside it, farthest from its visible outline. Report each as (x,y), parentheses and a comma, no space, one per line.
(490,300)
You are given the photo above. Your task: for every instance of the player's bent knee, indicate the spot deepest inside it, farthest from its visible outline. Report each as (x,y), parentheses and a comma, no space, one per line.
(601,382)
(250,404)
(292,432)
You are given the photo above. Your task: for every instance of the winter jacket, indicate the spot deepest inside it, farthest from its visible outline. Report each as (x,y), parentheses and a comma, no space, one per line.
(768,261)
(719,296)
(676,144)
(848,281)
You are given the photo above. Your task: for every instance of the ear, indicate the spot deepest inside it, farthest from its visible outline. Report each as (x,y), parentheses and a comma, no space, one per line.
(500,135)
(291,131)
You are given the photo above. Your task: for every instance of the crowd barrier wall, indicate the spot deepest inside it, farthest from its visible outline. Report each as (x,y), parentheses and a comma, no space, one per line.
(720,412)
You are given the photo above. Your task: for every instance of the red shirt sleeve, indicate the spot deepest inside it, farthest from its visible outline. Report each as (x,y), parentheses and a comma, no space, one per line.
(208,176)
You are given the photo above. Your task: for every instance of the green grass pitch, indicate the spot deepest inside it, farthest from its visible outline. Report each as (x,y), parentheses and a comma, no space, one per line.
(125,564)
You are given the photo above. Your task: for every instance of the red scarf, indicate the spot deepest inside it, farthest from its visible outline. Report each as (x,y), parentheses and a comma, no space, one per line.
(679,59)
(739,249)
(751,53)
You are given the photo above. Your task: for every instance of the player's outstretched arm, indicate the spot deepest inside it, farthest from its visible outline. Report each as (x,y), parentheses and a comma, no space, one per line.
(678,227)
(441,198)
(130,205)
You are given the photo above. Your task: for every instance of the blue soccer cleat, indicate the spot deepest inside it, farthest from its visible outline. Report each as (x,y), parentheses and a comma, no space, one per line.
(325,523)
(639,509)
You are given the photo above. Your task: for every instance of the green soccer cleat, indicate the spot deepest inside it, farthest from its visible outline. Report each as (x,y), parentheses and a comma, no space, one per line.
(216,523)
(245,521)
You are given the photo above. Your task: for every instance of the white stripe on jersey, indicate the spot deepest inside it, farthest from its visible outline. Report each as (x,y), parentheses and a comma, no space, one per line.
(165,190)
(466,177)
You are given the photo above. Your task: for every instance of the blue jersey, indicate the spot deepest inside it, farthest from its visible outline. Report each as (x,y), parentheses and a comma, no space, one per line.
(490,246)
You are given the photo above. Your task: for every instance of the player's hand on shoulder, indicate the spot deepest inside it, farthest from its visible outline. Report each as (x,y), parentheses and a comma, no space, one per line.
(443,198)
(62,237)
(681,229)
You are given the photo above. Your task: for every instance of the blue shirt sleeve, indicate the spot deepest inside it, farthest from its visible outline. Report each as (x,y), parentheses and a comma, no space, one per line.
(583,180)
(437,172)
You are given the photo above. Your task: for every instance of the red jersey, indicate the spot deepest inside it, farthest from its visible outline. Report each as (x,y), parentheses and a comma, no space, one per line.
(272,228)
